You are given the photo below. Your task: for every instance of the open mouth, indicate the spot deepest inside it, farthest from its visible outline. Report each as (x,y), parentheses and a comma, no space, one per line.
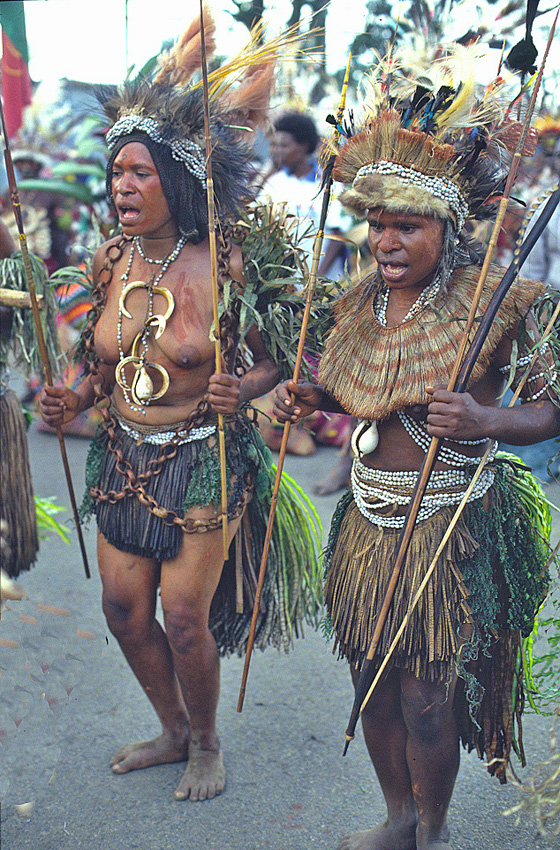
(393,271)
(127,214)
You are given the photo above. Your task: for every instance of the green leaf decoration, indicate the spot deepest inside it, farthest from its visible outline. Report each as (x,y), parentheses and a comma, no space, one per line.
(274,295)
(540,653)
(68,168)
(70,189)
(23,344)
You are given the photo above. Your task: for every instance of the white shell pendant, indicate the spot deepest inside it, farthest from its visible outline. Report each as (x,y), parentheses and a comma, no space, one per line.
(142,386)
(364,437)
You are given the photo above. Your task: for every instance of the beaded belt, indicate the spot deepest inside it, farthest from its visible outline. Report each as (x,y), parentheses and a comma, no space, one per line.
(378,493)
(153,434)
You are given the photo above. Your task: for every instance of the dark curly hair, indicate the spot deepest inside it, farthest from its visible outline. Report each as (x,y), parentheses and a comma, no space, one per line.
(301,127)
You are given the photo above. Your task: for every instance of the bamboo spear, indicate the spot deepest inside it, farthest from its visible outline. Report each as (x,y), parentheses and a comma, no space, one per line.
(317,246)
(431,456)
(38,326)
(214,275)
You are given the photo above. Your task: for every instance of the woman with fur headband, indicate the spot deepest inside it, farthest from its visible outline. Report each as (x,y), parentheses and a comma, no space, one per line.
(421,166)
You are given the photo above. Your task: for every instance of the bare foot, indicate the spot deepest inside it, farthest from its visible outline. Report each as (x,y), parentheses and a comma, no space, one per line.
(337,479)
(205,776)
(381,837)
(160,750)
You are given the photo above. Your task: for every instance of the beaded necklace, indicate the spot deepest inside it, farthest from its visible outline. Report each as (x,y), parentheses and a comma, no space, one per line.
(140,393)
(138,245)
(381,301)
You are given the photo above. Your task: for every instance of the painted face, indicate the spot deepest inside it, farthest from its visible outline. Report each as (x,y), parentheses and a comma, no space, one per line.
(286,152)
(407,247)
(138,195)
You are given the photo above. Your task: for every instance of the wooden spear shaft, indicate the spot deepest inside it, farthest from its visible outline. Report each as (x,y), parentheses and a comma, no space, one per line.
(39,328)
(431,455)
(317,246)
(214,275)
(279,468)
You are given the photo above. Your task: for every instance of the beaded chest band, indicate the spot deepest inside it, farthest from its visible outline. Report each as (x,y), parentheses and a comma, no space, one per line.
(379,493)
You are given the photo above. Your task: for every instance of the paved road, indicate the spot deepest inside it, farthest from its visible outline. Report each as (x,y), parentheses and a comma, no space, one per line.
(68,701)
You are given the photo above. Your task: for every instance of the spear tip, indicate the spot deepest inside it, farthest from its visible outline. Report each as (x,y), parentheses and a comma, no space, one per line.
(347,743)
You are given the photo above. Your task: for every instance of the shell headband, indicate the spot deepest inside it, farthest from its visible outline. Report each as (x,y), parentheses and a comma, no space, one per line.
(439,187)
(183,150)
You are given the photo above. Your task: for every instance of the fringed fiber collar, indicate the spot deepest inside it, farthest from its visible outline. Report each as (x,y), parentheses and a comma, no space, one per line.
(373,371)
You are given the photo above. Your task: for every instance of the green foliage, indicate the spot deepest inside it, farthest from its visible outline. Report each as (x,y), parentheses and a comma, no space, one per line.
(542,660)
(541,649)
(23,344)
(273,297)
(73,274)
(300,536)
(46,523)
(67,168)
(70,189)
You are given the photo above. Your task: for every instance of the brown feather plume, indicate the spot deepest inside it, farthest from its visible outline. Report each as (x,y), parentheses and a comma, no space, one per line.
(177,65)
(250,101)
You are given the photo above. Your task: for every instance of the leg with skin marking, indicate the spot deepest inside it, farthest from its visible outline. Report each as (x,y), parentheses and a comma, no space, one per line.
(432,754)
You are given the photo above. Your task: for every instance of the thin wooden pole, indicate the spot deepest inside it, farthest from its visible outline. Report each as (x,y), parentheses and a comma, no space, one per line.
(317,246)
(214,276)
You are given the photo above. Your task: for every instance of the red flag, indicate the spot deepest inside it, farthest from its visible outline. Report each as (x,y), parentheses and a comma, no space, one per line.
(16,83)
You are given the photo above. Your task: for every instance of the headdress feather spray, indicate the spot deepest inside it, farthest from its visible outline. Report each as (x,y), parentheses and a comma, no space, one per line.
(177,65)
(166,113)
(431,144)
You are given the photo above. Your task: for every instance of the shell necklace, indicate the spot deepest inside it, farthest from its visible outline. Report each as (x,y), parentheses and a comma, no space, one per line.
(365,436)
(140,393)
(381,301)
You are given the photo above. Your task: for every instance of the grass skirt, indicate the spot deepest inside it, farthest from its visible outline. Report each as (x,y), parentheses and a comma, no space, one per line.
(18,514)
(292,592)
(484,593)
(190,478)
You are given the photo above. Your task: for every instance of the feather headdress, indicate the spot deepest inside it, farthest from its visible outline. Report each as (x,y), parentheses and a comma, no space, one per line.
(429,143)
(166,113)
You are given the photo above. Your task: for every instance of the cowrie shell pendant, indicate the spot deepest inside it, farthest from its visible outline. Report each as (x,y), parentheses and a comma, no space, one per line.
(365,438)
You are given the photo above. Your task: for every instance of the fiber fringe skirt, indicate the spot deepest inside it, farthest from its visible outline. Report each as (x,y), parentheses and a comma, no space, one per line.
(482,597)
(292,592)
(19,541)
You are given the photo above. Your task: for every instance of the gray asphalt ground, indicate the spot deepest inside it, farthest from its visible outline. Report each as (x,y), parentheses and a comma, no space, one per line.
(68,700)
